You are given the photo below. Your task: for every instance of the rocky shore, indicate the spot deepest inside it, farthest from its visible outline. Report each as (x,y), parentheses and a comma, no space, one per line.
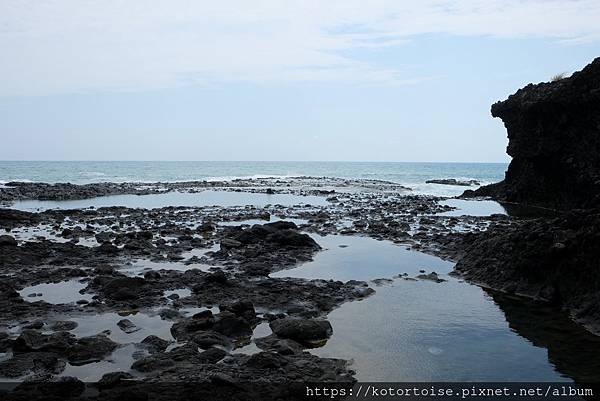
(553,138)
(554,133)
(193,285)
(201,273)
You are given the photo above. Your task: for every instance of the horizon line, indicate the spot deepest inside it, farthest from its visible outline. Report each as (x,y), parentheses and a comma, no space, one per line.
(252,161)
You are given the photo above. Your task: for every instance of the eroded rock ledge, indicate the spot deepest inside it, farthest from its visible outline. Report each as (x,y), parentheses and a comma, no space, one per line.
(554,139)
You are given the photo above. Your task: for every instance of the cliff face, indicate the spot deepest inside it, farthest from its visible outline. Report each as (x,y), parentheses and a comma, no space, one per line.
(554,139)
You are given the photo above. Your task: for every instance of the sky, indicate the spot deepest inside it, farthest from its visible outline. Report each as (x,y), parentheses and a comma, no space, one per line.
(347,80)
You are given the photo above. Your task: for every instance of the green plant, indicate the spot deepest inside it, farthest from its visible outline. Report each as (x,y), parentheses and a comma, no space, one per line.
(558,77)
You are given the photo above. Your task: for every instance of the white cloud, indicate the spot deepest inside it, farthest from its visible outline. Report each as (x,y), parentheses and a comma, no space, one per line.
(57,46)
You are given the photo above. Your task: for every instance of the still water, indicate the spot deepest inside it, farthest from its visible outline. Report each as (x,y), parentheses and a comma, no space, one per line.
(420,330)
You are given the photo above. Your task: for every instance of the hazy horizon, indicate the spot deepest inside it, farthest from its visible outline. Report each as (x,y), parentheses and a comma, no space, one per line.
(272,81)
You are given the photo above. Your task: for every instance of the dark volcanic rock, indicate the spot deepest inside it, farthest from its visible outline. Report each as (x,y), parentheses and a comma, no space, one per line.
(155,343)
(31,362)
(64,325)
(11,218)
(554,260)
(231,325)
(7,240)
(306,331)
(127,326)
(123,288)
(90,349)
(34,341)
(207,339)
(186,328)
(554,140)
(452,181)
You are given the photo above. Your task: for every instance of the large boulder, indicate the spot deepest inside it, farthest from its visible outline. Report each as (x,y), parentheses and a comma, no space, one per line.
(309,332)
(554,140)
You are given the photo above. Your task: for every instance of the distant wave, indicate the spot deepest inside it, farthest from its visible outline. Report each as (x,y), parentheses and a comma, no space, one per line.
(250,177)
(92,174)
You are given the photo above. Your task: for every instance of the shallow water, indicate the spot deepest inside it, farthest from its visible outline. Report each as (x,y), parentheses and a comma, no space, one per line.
(362,258)
(152,201)
(272,219)
(472,207)
(120,360)
(425,331)
(56,293)
(141,266)
(148,323)
(262,330)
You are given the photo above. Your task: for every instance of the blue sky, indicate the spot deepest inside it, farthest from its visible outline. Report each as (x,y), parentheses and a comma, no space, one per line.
(387,81)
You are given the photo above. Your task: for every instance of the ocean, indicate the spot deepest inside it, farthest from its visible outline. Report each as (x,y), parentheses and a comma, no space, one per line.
(410,174)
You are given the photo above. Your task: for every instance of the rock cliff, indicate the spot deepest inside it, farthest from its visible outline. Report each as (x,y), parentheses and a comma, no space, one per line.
(554,140)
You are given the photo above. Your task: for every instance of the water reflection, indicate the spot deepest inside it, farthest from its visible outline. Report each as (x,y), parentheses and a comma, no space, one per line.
(418,330)
(574,351)
(472,207)
(203,198)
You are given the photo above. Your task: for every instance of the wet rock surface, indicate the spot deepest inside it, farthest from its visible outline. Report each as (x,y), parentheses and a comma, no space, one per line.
(201,277)
(211,261)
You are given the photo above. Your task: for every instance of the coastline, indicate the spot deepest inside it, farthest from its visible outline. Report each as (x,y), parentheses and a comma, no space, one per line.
(224,256)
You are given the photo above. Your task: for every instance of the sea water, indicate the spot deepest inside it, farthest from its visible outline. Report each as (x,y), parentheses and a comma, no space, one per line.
(412,175)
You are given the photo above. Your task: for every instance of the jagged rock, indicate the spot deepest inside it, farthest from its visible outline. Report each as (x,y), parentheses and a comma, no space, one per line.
(554,140)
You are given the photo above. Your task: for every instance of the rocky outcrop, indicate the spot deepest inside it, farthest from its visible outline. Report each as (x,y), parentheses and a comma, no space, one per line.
(554,140)
(552,260)
(453,181)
